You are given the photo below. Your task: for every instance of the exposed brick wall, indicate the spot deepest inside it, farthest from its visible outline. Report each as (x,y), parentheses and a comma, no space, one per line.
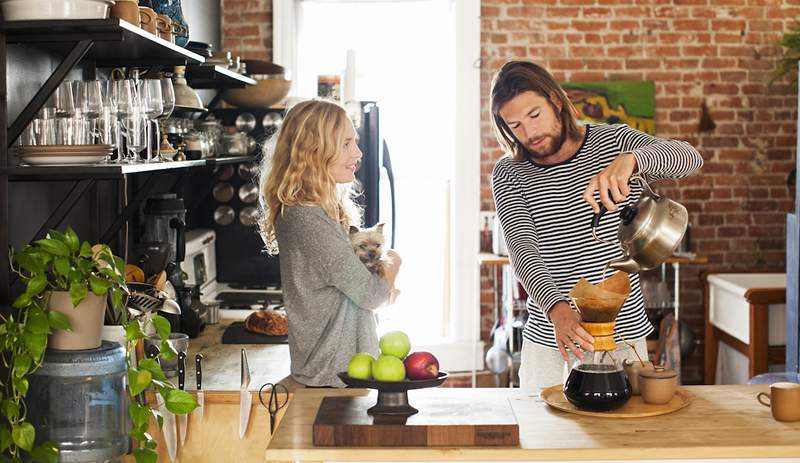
(246,27)
(720,51)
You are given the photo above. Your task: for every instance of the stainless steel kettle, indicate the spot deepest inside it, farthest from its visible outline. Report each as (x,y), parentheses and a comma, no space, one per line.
(649,232)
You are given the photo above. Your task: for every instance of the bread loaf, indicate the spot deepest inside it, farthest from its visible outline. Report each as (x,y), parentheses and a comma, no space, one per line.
(268,322)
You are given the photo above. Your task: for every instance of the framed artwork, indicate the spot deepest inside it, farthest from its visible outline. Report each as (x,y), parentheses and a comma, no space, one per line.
(632,102)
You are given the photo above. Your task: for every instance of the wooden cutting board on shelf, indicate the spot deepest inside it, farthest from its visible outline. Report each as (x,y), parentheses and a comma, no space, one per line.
(441,422)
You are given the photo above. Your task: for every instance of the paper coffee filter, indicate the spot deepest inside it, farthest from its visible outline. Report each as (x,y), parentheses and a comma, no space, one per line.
(601,303)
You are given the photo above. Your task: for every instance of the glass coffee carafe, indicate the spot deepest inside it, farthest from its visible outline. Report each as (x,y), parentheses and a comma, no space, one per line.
(598,382)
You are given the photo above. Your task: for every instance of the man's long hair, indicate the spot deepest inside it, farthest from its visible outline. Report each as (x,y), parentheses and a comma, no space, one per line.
(516,77)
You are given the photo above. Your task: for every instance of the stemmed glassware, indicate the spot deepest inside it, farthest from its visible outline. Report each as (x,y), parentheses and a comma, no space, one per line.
(152,106)
(168,105)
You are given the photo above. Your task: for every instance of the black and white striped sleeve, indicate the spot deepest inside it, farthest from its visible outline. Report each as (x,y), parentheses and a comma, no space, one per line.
(519,230)
(658,158)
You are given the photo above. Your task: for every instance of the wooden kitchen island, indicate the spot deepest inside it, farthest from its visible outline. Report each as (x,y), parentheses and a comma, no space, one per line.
(722,422)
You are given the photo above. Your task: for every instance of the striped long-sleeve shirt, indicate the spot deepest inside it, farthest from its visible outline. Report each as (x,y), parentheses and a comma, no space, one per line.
(547,224)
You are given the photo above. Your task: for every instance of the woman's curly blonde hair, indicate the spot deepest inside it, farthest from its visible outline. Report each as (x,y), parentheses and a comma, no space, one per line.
(297,170)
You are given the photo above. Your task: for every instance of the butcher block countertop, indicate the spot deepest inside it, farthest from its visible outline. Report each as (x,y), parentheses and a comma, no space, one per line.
(720,422)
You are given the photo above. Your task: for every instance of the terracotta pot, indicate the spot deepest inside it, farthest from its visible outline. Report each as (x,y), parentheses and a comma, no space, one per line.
(86,321)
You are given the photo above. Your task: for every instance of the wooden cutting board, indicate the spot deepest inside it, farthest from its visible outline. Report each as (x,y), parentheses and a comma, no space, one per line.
(441,422)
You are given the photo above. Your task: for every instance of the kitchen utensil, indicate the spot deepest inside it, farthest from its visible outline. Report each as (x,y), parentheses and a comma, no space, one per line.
(632,369)
(245,122)
(393,396)
(271,120)
(182,421)
(783,399)
(168,425)
(198,372)
(248,216)
(31,10)
(658,385)
(636,407)
(185,96)
(147,20)
(248,193)
(244,396)
(268,90)
(650,231)
(224,215)
(164,27)
(274,402)
(179,343)
(222,192)
(127,10)
(248,171)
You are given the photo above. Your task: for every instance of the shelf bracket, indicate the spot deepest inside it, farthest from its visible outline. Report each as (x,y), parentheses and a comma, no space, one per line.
(26,116)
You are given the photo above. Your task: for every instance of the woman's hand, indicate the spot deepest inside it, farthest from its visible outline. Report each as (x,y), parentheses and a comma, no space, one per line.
(569,331)
(390,271)
(613,179)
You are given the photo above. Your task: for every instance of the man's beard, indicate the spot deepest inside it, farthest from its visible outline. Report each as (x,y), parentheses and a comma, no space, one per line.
(558,142)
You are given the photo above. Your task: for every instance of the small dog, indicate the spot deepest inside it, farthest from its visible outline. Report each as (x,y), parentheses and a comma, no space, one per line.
(368,245)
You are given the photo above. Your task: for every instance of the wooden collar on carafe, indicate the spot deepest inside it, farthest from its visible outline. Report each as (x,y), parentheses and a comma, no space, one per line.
(603,334)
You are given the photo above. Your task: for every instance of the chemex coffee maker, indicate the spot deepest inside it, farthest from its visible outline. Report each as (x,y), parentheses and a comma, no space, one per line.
(598,382)
(163,248)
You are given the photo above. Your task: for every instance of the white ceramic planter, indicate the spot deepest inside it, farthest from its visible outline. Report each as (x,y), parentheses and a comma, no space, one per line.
(86,321)
(29,10)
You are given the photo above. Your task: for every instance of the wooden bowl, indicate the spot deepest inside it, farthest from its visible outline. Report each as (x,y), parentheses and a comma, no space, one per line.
(264,94)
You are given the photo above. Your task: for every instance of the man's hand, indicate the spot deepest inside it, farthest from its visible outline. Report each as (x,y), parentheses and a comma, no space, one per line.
(614,180)
(569,331)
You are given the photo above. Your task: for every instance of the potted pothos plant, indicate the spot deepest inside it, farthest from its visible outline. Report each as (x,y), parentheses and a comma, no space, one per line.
(61,262)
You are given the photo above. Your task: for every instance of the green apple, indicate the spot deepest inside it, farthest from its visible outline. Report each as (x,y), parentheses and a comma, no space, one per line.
(396,344)
(389,368)
(360,366)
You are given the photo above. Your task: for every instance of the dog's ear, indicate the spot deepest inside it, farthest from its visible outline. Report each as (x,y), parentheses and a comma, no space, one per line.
(379,227)
(353,229)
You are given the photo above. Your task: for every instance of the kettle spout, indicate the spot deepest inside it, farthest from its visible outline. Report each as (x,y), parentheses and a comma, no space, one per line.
(625,264)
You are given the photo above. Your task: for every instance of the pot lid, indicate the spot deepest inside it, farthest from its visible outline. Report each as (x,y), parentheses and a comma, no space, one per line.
(658,373)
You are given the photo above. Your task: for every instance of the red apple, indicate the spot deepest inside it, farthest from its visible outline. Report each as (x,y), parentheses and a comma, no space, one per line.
(421,365)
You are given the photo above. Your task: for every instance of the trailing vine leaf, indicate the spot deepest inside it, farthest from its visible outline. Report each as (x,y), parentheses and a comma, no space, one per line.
(58,320)
(45,453)
(38,323)
(71,238)
(99,286)
(36,344)
(140,414)
(179,402)
(145,455)
(5,438)
(162,326)
(30,262)
(77,292)
(36,285)
(23,435)
(133,333)
(10,410)
(24,300)
(21,385)
(54,247)
(86,249)
(22,364)
(62,266)
(138,380)
(154,368)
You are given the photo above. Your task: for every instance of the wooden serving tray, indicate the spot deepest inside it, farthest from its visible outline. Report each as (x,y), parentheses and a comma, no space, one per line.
(633,408)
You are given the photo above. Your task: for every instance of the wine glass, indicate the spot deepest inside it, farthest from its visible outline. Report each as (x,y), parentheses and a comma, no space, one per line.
(88,98)
(152,106)
(135,126)
(124,98)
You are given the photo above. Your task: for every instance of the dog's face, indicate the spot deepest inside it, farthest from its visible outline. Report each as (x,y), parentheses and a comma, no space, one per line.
(367,242)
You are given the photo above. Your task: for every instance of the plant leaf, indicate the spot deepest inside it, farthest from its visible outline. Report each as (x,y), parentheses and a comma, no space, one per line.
(133,332)
(138,380)
(21,385)
(85,250)
(5,438)
(10,410)
(77,292)
(24,300)
(116,297)
(23,435)
(22,364)
(46,453)
(140,415)
(179,402)
(162,326)
(167,351)
(145,455)
(62,266)
(29,261)
(99,286)
(52,246)
(36,344)
(37,323)
(154,368)
(72,240)
(36,285)
(58,320)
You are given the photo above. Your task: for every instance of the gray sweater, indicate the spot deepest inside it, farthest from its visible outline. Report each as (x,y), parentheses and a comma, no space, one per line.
(329,294)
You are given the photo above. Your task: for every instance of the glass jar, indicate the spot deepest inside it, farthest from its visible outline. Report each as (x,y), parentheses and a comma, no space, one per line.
(598,382)
(234,143)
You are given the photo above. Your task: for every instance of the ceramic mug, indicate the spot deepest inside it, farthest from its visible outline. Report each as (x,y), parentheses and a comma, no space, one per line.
(784,401)
(147,19)
(127,10)
(164,26)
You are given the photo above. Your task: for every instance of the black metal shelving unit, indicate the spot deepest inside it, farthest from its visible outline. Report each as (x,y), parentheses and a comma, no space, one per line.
(107,43)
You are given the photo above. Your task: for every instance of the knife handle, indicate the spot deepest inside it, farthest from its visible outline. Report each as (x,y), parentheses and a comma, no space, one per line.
(181,370)
(198,367)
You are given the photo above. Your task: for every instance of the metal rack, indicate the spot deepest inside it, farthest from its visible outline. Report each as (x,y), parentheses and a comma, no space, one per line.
(103,43)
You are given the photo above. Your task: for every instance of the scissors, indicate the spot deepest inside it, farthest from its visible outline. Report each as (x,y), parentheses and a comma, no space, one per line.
(274,403)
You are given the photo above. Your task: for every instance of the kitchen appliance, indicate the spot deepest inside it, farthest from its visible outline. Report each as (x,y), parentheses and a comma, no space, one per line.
(598,382)
(77,399)
(650,231)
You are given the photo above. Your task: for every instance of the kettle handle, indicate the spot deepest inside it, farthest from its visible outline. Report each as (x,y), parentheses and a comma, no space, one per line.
(646,185)
(603,209)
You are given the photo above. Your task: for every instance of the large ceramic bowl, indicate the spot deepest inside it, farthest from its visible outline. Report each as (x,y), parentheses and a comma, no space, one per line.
(393,396)
(264,94)
(25,10)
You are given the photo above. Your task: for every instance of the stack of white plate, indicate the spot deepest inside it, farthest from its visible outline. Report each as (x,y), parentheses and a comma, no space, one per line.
(22,10)
(63,154)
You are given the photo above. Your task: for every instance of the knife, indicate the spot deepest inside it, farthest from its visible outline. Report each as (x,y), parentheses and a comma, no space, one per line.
(244,396)
(198,369)
(168,427)
(182,422)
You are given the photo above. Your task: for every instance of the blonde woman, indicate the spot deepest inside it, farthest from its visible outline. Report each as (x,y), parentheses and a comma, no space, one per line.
(307,200)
